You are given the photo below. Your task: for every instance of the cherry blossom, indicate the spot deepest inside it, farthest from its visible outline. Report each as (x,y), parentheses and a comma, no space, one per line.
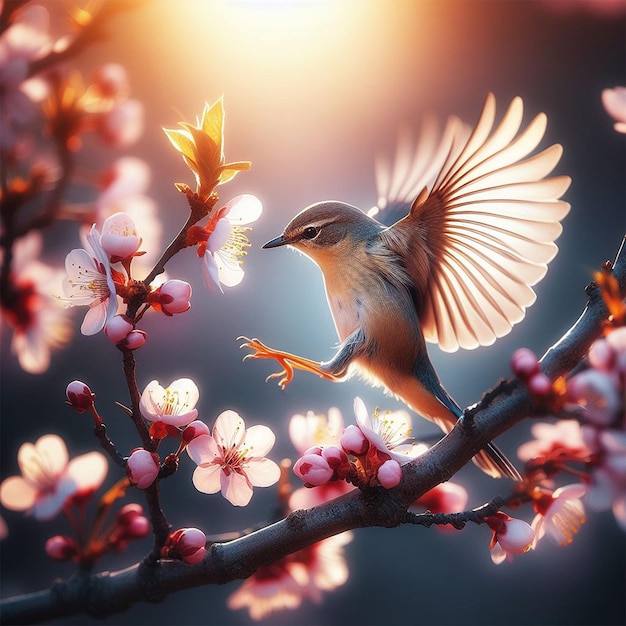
(119,237)
(49,479)
(172,297)
(227,242)
(79,396)
(89,282)
(188,544)
(614,101)
(563,435)
(560,514)
(232,460)
(26,39)
(314,429)
(39,322)
(511,537)
(387,432)
(173,405)
(143,467)
(297,577)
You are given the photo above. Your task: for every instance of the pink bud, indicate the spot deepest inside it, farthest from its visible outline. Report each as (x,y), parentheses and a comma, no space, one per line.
(135,339)
(117,328)
(143,467)
(79,396)
(119,236)
(192,545)
(128,512)
(313,469)
(353,441)
(601,355)
(517,536)
(193,430)
(389,474)
(524,364)
(61,548)
(337,459)
(539,385)
(174,296)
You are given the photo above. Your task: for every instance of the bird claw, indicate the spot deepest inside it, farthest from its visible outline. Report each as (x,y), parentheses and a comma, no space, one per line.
(289,362)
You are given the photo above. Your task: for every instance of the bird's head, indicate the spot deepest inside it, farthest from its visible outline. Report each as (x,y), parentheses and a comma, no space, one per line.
(327,231)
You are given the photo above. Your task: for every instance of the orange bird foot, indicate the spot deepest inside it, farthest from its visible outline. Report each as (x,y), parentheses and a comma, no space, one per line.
(289,362)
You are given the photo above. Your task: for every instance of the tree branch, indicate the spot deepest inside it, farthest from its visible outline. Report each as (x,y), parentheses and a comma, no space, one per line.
(108,593)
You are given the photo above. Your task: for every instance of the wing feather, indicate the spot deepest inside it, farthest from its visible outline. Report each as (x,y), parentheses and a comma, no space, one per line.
(488,225)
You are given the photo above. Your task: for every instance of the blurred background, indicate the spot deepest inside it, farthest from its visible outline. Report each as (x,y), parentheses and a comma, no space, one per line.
(314,91)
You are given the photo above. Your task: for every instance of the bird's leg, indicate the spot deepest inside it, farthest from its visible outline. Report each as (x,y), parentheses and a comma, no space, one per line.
(333,370)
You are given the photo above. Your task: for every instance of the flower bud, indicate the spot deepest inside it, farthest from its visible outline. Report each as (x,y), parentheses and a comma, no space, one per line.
(524,364)
(119,236)
(389,474)
(117,328)
(516,537)
(539,385)
(313,469)
(135,339)
(174,296)
(61,548)
(337,459)
(193,430)
(598,393)
(188,544)
(353,441)
(143,467)
(79,396)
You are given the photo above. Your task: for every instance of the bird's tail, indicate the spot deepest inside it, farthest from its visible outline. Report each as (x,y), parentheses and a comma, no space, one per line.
(493,462)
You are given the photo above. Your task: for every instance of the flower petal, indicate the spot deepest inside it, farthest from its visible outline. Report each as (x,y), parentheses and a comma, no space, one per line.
(262,472)
(259,440)
(203,450)
(88,471)
(207,478)
(236,488)
(229,429)
(210,273)
(243,209)
(17,494)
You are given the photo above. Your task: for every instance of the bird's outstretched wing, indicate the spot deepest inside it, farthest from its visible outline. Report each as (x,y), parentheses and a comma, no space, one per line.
(475,243)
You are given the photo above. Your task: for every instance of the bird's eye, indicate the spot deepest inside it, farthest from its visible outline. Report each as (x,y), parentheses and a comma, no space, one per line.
(310,232)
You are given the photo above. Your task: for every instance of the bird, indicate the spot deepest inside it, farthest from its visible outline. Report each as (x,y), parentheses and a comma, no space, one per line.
(466,226)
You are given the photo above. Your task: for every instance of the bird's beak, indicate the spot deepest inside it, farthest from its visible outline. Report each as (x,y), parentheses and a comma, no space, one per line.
(277,241)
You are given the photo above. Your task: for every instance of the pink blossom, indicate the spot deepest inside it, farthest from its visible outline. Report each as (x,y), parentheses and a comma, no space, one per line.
(598,394)
(38,320)
(228,242)
(614,101)
(313,429)
(174,296)
(305,498)
(79,396)
(511,537)
(132,522)
(60,548)
(135,339)
(564,435)
(524,364)
(387,432)
(118,328)
(299,576)
(233,459)
(446,497)
(313,469)
(119,236)
(188,544)
(143,467)
(353,441)
(389,474)
(49,478)
(89,283)
(26,39)
(193,430)
(173,405)
(560,515)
